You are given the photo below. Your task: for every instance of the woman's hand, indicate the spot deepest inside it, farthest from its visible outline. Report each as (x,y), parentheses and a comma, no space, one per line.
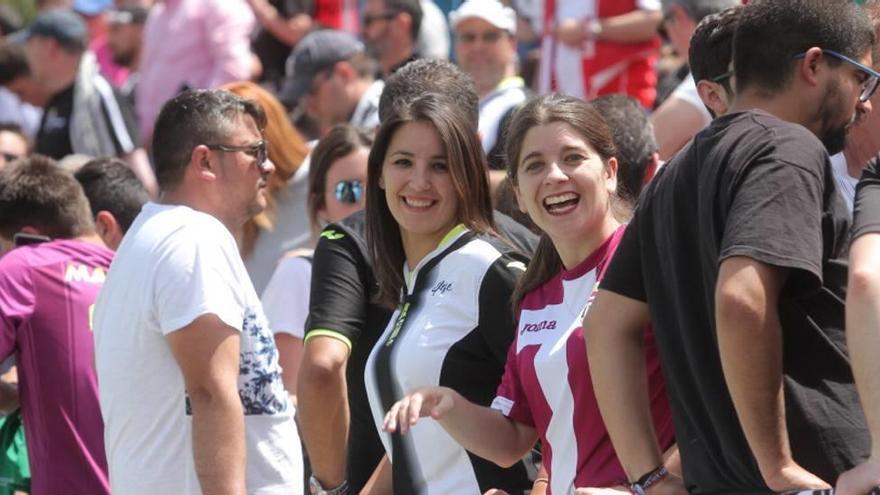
(428,401)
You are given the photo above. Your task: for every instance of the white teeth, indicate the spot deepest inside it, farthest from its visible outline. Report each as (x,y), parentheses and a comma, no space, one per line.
(552,200)
(417,203)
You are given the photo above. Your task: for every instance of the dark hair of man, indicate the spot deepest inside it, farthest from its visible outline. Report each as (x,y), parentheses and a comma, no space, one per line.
(340,141)
(16,129)
(411,7)
(633,136)
(428,75)
(13,62)
(111,186)
(711,48)
(467,168)
(771,32)
(697,10)
(586,120)
(192,118)
(36,192)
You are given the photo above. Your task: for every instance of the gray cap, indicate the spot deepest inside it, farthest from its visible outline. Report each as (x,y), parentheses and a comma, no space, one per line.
(63,25)
(317,51)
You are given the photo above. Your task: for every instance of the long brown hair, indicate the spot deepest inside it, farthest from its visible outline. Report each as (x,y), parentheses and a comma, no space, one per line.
(287,150)
(467,168)
(588,122)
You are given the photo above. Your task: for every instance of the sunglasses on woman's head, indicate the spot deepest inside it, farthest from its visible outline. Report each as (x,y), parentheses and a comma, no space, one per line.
(349,191)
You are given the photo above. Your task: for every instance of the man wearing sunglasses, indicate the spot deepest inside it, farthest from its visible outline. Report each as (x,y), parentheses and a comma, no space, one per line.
(190,382)
(737,256)
(391,30)
(485,49)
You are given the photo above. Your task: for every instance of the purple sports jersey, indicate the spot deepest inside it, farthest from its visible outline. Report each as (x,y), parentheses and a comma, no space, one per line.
(47,292)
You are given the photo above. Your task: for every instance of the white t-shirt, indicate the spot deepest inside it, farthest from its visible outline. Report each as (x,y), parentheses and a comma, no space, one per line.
(174,265)
(687,91)
(846,184)
(286,298)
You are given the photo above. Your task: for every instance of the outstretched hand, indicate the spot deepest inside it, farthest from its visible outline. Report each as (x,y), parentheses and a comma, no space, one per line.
(422,402)
(860,479)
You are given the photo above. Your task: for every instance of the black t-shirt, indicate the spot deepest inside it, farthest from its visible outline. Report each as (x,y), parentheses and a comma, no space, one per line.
(53,137)
(750,185)
(866,212)
(343,286)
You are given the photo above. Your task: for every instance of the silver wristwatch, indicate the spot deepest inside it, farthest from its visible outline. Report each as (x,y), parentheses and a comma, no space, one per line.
(316,489)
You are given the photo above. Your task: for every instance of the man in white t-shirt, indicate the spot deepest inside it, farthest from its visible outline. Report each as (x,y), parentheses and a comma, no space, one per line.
(190,387)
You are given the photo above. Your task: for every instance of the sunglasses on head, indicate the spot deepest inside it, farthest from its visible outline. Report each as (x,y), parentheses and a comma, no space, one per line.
(349,191)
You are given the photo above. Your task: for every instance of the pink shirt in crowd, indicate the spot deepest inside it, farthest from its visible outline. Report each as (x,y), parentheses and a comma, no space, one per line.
(550,345)
(191,44)
(47,292)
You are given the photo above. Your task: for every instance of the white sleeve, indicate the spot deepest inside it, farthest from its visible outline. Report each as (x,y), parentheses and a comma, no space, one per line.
(687,91)
(286,298)
(197,276)
(653,5)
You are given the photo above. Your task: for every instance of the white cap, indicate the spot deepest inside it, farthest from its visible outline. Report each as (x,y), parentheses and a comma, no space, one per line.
(491,11)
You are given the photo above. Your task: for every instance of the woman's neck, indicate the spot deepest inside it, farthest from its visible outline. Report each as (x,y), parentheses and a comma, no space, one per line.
(573,251)
(417,246)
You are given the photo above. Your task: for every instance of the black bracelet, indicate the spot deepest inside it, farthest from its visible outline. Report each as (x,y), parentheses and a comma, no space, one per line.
(647,480)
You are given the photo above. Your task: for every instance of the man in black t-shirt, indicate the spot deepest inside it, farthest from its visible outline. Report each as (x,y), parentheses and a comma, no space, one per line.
(736,253)
(863,322)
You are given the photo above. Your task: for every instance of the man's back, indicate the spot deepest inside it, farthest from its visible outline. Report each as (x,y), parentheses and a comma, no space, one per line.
(174,265)
(47,293)
(754,186)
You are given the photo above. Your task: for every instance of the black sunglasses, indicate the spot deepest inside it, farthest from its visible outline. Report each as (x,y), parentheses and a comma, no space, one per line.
(258,150)
(349,191)
(382,16)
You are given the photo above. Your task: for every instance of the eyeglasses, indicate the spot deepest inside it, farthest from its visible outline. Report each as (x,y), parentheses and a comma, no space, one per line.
(381,16)
(488,37)
(258,150)
(872,79)
(349,191)
(721,77)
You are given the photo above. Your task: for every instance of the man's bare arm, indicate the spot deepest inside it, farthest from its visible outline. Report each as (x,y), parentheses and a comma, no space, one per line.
(207,352)
(750,347)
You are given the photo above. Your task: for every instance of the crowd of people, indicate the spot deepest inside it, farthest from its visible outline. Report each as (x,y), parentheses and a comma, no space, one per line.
(439,247)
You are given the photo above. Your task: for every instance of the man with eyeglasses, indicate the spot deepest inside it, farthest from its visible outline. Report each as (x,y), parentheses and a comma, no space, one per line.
(330,75)
(391,29)
(683,114)
(737,256)
(485,49)
(191,390)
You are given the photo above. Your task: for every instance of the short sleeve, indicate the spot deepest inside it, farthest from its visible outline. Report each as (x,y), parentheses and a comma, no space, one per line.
(510,399)
(16,300)
(339,292)
(775,217)
(196,276)
(624,274)
(496,319)
(286,297)
(866,213)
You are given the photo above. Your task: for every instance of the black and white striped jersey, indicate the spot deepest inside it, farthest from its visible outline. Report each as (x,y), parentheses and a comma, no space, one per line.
(453,328)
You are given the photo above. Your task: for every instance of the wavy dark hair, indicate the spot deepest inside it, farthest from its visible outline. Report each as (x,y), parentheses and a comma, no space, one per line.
(588,122)
(467,166)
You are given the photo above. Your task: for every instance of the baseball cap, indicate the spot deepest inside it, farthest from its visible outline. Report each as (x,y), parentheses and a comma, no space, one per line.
(91,7)
(317,51)
(63,25)
(127,15)
(491,11)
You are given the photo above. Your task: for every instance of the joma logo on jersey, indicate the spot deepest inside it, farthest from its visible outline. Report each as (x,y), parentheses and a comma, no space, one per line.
(441,288)
(83,273)
(537,327)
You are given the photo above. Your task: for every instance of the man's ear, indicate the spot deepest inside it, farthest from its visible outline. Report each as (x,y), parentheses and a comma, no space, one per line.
(108,229)
(200,163)
(810,69)
(711,97)
(405,21)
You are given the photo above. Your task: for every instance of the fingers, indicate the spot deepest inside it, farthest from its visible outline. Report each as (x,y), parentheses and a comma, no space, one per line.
(403,414)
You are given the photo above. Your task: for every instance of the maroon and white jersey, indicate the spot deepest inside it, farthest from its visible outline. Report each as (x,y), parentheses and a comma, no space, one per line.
(547,383)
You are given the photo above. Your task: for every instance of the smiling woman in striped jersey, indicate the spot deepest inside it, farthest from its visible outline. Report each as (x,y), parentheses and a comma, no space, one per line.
(450,277)
(561,161)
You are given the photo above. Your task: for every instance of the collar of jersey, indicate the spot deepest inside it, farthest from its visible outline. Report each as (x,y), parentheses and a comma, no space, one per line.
(449,238)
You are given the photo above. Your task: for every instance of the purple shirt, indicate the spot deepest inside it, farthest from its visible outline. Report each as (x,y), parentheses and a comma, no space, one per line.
(200,44)
(47,292)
